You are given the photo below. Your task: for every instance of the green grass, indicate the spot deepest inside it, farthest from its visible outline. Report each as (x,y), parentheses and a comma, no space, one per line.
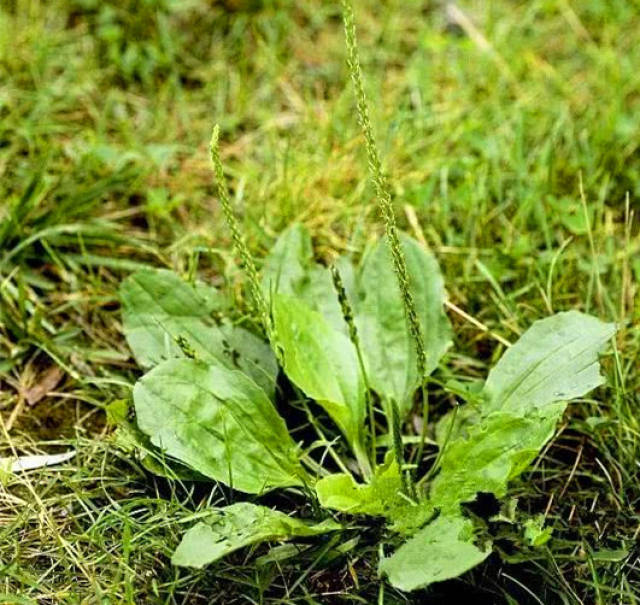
(489,127)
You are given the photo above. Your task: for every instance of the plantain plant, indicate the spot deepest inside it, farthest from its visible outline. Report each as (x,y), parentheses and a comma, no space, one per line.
(356,343)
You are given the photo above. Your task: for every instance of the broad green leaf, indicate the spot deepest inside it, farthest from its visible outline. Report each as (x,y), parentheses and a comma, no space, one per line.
(159,308)
(525,396)
(494,451)
(556,359)
(129,438)
(322,362)
(242,524)
(388,346)
(218,422)
(442,550)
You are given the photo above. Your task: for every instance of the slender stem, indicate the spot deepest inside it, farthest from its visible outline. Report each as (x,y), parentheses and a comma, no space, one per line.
(318,468)
(362,459)
(425,424)
(393,415)
(370,410)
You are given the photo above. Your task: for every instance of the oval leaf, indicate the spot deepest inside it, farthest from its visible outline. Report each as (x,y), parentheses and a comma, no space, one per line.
(556,359)
(242,524)
(442,550)
(218,422)
(323,363)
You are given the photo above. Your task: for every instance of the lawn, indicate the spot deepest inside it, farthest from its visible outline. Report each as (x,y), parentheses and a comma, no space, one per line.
(509,133)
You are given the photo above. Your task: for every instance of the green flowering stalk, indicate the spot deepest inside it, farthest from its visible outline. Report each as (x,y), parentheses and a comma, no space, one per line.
(240,246)
(383,194)
(381,184)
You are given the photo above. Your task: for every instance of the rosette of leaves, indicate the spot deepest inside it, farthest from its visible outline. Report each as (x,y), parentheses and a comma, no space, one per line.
(208,402)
